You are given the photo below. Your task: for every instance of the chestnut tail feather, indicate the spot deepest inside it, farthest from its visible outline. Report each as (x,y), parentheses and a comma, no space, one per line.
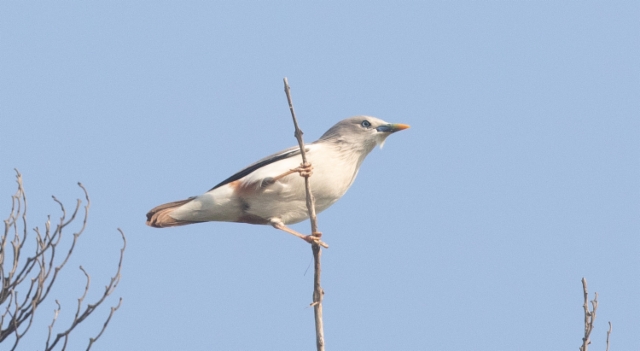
(159,216)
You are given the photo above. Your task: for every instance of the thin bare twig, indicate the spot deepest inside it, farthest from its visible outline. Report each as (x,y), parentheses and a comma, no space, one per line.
(608,335)
(80,317)
(104,326)
(298,134)
(56,312)
(317,250)
(589,316)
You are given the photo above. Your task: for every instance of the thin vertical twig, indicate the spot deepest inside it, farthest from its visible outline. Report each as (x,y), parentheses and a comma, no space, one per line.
(608,335)
(317,251)
(298,134)
(589,316)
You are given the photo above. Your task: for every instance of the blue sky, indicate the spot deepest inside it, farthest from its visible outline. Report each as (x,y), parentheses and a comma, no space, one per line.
(471,230)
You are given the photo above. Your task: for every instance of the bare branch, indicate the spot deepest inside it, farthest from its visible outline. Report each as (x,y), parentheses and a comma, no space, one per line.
(318,293)
(56,312)
(608,335)
(80,317)
(104,326)
(35,274)
(589,316)
(298,134)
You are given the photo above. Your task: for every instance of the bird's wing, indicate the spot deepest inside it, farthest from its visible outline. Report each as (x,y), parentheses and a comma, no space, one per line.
(284,154)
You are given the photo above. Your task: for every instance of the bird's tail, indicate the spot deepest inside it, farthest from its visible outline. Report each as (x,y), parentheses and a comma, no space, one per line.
(159,216)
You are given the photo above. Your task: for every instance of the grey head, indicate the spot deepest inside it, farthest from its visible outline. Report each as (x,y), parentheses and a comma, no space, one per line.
(360,133)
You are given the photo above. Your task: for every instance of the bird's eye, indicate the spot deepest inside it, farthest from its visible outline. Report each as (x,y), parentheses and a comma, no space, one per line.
(365,124)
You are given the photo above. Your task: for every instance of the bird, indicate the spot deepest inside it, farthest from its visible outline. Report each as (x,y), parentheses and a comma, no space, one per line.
(271,191)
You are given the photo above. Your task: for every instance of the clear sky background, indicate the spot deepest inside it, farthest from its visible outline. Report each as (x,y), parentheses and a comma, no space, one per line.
(470,231)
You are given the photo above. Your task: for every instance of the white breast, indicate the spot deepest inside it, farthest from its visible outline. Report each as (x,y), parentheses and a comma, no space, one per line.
(333,174)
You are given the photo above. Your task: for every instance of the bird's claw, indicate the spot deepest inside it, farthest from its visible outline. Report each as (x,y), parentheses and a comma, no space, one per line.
(305,170)
(315,239)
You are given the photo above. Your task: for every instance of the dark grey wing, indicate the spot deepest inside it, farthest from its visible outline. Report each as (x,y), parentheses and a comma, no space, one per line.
(290,152)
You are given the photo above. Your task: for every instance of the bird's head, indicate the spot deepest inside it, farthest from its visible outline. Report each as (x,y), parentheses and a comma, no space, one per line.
(362,132)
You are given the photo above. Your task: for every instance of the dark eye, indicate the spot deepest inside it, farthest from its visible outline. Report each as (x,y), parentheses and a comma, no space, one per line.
(365,124)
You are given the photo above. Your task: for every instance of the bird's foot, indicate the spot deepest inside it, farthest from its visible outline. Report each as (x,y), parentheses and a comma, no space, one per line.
(305,170)
(315,239)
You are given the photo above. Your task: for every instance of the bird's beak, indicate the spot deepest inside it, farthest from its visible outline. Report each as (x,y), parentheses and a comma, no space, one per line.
(392,128)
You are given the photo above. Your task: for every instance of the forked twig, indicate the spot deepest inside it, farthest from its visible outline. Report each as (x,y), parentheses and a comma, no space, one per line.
(318,293)
(589,316)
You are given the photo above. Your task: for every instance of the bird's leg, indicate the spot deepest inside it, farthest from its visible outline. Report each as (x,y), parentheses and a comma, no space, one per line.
(305,170)
(311,239)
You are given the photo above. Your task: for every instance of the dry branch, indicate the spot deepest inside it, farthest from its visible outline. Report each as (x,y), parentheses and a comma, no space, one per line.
(317,250)
(608,335)
(590,317)
(27,278)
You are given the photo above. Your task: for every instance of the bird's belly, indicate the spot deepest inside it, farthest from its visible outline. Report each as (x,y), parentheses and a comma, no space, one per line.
(290,210)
